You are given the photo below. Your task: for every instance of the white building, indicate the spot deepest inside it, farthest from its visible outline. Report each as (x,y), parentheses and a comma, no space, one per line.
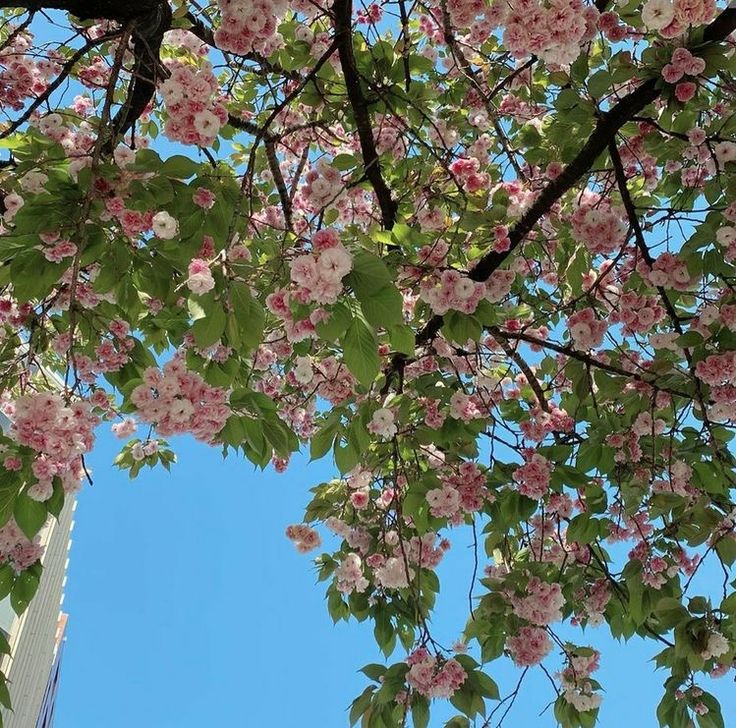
(36,637)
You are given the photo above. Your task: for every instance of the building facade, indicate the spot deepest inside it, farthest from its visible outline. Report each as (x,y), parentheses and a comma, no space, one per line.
(36,637)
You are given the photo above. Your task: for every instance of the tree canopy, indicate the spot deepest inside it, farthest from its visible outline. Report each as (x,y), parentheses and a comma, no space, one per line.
(481,253)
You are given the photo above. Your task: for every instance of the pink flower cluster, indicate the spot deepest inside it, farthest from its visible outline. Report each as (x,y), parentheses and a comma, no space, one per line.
(683,63)
(434,255)
(499,285)
(434,679)
(638,314)
(533,477)
(451,290)
(543,422)
(668,271)
(322,186)
(21,77)
(62,249)
(393,573)
(463,491)
(318,275)
(250,25)
(382,424)
(464,12)
(467,171)
(465,407)
(717,369)
(305,538)
(529,647)
(179,401)
(16,549)
(726,237)
(598,225)
(577,688)
(195,111)
(349,575)
(542,603)
(554,32)
(200,278)
(586,330)
(681,14)
(60,434)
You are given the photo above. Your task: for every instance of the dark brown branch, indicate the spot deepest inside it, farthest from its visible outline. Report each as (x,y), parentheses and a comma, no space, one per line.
(148,34)
(278,178)
(121,10)
(513,354)
(343,15)
(620,174)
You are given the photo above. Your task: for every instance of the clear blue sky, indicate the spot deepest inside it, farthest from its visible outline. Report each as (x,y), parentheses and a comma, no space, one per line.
(189,608)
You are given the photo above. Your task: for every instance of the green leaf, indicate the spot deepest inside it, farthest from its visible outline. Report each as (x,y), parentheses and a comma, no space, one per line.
(360,704)
(8,492)
(599,83)
(459,327)
(582,529)
(726,550)
(337,324)
(374,671)
(7,579)
(383,307)
(55,503)
(402,339)
(369,274)
(30,515)
(249,314)
(24,589)
(279,435)
(361,352)
(322,440)
(383,630)
(209,329)
(690,339)
(179,167)
(420,711)
(343,162)
(5,694)
(670,612)
(486,685)
(346,458)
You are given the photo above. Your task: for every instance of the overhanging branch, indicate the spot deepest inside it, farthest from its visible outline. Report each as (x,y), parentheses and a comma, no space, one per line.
(343,17)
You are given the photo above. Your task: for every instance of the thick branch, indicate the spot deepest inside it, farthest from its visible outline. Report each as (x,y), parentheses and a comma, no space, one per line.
(148,34)
(343,14)
(120,10)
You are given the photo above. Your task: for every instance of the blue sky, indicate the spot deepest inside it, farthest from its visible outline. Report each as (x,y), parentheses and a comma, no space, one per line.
(189,608)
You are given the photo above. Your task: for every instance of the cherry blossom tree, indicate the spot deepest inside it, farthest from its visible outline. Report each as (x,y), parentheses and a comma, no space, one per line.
(480,253)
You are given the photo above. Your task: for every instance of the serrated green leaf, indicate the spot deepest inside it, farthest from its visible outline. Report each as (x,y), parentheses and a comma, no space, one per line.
(361,352)
(30,515)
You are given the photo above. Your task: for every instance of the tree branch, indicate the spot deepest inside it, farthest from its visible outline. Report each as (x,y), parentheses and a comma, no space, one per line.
(343,14)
